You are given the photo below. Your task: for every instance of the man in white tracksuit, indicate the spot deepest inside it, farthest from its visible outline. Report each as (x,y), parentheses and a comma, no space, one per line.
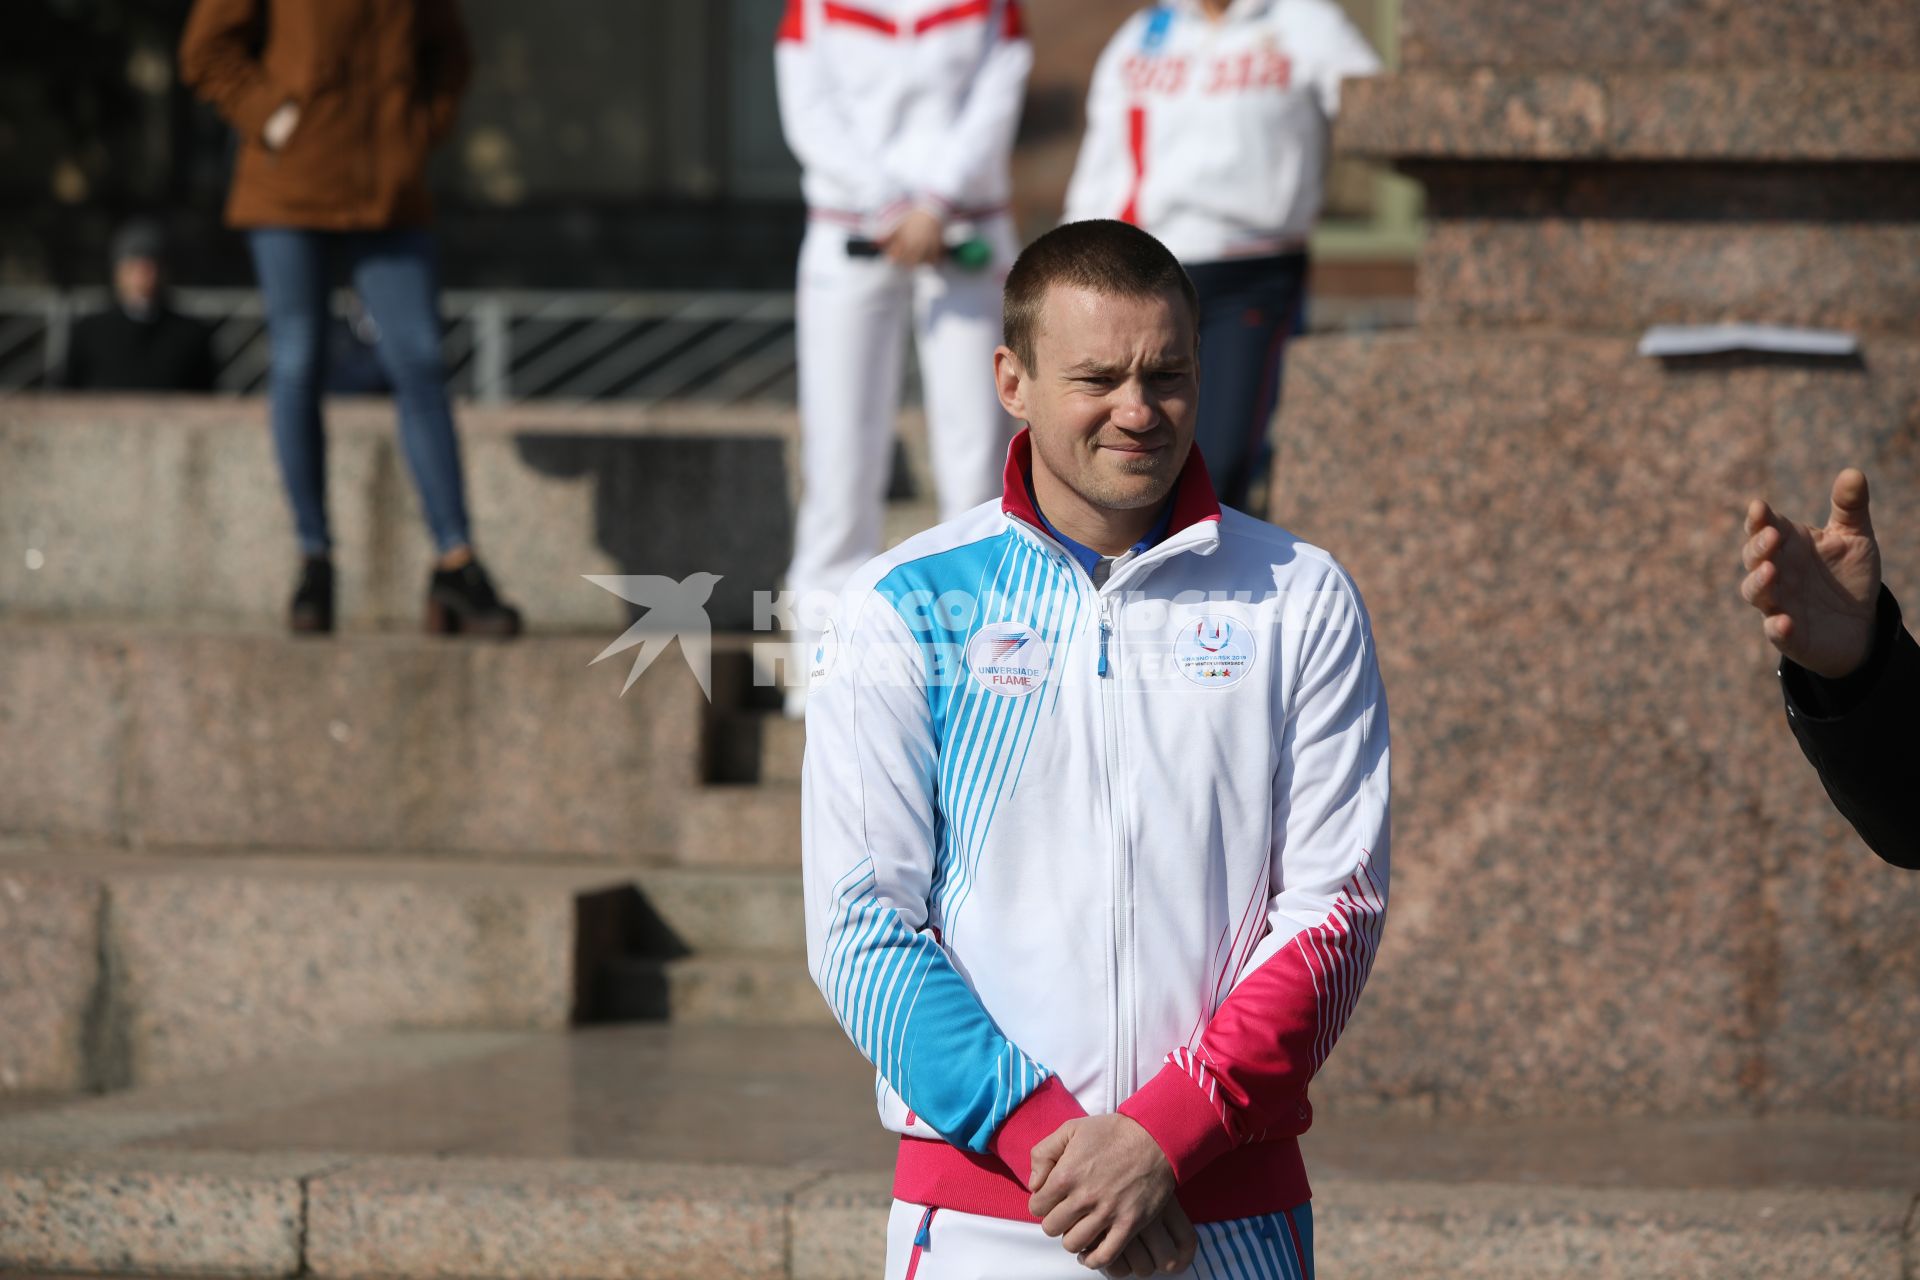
(902,114)
(1207,126)
(1095,820)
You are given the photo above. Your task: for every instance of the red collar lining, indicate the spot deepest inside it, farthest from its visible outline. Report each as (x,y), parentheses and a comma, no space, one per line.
(1194,501)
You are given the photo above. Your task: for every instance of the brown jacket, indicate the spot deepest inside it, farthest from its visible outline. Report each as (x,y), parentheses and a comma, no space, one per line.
(378,83)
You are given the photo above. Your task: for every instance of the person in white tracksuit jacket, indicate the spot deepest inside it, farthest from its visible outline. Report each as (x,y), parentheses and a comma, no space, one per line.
(1095,820)
(902,115)
(1207,125)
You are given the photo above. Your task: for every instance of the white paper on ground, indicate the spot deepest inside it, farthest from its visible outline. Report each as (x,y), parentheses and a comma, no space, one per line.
(1711,339)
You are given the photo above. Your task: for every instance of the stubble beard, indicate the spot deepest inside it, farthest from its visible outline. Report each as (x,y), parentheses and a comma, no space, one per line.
(1127,484)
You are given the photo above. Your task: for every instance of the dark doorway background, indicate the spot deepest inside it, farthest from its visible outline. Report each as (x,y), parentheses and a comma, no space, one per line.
(606,144)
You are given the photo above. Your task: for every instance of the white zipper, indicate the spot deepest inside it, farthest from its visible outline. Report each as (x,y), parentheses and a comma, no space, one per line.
(1121,1081)
(1118,910)
(1120,1072)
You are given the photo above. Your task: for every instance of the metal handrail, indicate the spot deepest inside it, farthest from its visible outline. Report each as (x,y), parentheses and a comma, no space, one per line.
(529,344)
(499,344)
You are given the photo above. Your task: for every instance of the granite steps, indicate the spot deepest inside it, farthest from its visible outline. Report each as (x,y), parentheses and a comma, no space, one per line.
(669,1151)
(137,965)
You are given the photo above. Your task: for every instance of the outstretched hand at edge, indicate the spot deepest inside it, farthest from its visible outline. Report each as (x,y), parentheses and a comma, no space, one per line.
(1818,589)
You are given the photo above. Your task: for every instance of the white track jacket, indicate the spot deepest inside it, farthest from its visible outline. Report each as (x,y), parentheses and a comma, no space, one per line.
(1213,135)
(1074,851)
(889,104)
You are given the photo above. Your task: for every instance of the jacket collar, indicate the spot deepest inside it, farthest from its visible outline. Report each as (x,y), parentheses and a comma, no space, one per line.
(1194,501)
(1236,11)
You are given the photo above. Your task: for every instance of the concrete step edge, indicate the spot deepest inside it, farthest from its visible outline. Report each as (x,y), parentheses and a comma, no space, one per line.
(494,1218)
(761,747)
(453,868)
(748,824)
(727,793)
(89,861)
(157,968)
(739,988)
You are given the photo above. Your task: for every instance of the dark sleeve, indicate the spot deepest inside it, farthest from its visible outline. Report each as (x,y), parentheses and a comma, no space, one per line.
(217,62)
(201,370)
(75,372)
(446,65)
(1862,733)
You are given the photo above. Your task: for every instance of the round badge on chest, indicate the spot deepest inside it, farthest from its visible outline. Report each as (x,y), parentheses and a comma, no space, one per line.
(1213,651)
(1007,658)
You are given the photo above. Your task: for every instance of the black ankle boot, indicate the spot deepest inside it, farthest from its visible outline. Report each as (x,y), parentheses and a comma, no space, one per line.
(311,612)
(463,602)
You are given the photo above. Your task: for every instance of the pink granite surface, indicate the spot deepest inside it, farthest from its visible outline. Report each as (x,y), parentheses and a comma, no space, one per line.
(742,826)
(63,736)
(1408,1231)
(355,743)
(480,1219)
(733,908)
(840,1227)
(169,1214)
(1614,273)
(1729,114)
(1660,33)
(668,1151)
(174,511)
(1618,887)
(792,1098)
(218,960)
(49,969)
(407,743)
(755,988)
(1616,245)
(219,969)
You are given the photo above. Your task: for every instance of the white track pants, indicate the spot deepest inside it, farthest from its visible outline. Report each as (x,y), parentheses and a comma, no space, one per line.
(852,318)
(964,1246)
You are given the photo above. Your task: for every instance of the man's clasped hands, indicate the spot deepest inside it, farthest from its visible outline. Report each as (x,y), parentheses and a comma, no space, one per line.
(1103,1188)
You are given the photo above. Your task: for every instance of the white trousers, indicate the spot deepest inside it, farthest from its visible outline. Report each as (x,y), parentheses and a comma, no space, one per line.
(964,1246)
(851,320)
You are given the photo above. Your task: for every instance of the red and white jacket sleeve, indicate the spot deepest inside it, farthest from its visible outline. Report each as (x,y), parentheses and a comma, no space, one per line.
(1247,1071)
(1104,174)
(975,149)
(816,118)
(1335,51)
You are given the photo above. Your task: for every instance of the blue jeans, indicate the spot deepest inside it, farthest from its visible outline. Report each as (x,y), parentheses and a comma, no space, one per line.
(393,272)
(1249,308)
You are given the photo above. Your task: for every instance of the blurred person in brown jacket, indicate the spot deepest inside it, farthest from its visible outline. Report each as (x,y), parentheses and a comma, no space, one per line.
(337,104)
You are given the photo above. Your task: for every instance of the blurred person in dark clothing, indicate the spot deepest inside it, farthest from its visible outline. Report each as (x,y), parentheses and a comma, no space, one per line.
(1850,671)
(140,343)
(337,104)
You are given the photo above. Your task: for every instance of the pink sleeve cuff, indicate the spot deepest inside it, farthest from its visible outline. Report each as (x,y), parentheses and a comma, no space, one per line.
(1178,1116)
(1043,1111)
(890,216)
